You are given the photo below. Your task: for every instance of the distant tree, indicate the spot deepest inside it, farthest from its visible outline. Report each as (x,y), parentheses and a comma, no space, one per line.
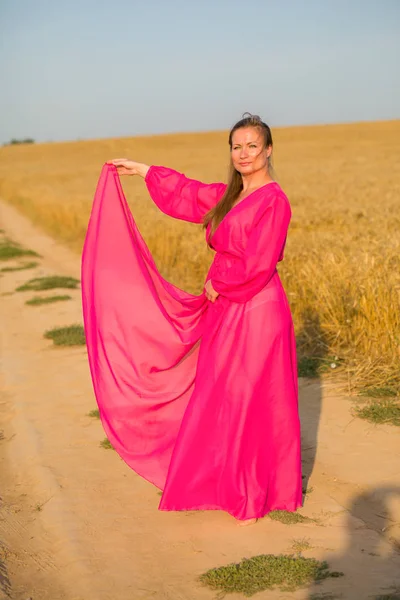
(22,141)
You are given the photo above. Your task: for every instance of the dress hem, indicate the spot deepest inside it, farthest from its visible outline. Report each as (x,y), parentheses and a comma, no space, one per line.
(214,507)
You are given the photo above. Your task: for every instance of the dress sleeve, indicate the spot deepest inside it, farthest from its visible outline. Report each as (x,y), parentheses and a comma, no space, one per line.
(252,271)
(178,196)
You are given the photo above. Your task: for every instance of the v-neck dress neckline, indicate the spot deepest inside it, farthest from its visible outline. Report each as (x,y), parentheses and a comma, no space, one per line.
(237,205)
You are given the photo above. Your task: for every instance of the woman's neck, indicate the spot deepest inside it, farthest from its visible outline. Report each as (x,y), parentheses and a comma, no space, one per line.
(255,180)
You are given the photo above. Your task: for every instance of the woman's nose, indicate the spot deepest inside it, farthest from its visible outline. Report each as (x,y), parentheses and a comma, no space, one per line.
(243,153)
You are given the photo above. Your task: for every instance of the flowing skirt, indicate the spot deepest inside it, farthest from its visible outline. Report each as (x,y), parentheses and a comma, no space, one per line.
(198,398)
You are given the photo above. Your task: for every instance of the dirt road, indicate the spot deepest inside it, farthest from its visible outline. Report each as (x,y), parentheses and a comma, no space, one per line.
(77,524)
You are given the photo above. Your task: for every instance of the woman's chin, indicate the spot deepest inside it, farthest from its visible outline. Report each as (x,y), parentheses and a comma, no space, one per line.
(244,170)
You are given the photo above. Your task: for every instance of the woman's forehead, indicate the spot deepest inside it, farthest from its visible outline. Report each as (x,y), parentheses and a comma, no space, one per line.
(245,135)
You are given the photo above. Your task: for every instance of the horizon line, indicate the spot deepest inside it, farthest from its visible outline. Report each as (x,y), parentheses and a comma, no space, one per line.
(200,132)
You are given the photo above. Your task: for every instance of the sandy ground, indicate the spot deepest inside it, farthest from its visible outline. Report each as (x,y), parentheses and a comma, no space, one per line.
(77,524)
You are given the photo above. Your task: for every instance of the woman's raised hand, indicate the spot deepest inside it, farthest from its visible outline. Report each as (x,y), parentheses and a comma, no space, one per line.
(125,166)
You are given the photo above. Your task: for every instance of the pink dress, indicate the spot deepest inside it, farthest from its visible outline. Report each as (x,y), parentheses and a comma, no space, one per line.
(199,398)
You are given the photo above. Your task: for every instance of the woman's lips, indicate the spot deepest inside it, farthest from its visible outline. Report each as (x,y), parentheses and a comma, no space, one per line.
(244,164)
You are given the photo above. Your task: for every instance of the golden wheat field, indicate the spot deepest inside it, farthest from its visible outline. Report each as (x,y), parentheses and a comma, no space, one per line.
(342,264)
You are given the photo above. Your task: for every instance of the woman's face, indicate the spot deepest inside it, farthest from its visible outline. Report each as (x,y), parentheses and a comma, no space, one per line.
(248,152)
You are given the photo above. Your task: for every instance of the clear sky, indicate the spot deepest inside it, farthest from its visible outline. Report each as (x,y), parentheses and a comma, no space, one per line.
(75,70)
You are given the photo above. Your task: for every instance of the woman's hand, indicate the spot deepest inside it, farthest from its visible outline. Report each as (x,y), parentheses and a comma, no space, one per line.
(129,167)
(211,294)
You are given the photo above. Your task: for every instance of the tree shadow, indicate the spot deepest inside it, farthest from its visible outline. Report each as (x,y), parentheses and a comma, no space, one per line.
(371,559)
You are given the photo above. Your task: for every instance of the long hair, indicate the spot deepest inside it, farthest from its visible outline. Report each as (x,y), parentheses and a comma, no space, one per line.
(235,182)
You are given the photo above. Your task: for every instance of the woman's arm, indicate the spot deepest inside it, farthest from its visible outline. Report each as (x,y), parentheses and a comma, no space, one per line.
(175,194)
(254,269)
(180,197)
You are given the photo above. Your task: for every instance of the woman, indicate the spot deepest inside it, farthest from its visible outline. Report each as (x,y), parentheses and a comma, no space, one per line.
(198,394)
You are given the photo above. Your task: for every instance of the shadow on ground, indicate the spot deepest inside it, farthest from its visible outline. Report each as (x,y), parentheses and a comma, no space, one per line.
(371,560)
(312,350)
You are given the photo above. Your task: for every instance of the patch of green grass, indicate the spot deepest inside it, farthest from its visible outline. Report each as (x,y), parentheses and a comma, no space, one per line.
(308,367)
(386,411)
(266,572)
(30,265)
(9,249)
(288,518)
(73,335)
(38,300)
(314,366)
(106,444)
(307,491)
(49,283)
(95,413)
(379,392)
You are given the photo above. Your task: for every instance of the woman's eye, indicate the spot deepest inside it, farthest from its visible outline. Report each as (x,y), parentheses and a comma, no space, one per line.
(253,146)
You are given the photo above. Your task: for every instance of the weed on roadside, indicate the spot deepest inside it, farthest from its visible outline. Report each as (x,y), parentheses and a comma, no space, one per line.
(73,335)
(386,411)
(315,366)
(308,367)
(299,545)
(379,392)
(266,572)
(9,249)
(106,444)
(52,282)
(95,413)
(288,518)
(39,300)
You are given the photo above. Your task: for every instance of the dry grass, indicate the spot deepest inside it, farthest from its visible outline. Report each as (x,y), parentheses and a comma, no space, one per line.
(343,253)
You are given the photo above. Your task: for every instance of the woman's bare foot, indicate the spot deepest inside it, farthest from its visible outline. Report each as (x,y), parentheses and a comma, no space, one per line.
(244,522)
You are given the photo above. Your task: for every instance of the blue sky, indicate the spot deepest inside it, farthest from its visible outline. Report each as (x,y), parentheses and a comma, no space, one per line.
(88,69)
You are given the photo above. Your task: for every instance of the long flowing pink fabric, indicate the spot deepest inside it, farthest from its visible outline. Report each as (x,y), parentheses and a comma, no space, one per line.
(199,398)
